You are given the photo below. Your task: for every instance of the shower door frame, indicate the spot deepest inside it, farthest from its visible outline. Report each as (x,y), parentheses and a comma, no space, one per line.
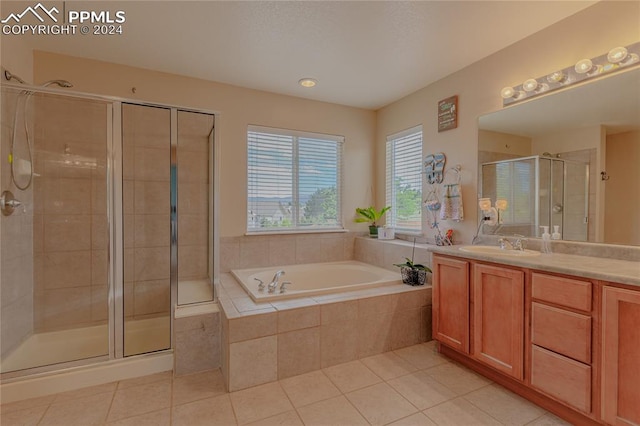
(115,224)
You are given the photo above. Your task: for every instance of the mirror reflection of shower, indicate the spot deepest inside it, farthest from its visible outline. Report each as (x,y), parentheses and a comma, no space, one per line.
(20,166)
(541,191)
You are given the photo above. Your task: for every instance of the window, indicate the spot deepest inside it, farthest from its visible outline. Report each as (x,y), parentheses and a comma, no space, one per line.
(514,183)
(293,180)
(404,180)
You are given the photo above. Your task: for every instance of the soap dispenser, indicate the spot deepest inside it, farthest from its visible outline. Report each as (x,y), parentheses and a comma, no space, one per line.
(556,233)
(546,240)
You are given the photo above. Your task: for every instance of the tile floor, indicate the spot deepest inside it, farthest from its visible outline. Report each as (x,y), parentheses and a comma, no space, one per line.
(410,386)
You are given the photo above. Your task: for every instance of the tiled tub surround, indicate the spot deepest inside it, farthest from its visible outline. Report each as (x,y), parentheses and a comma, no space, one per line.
(265,342)
(384,253)
(197,340)
(256,251)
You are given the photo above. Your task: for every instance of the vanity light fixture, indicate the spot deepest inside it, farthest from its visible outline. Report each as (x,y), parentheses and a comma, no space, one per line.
(307,82)
(616,59)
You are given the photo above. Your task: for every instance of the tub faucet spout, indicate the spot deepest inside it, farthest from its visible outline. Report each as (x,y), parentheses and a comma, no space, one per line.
(274,282)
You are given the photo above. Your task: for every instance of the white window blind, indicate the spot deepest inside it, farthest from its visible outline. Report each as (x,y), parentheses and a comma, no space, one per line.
(404,180)
(514,184)
(293,180)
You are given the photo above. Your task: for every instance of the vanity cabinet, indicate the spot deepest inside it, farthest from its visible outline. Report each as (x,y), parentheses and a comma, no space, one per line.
(561,331)
(498,318)
(620,391)
(569,344)
(451,302)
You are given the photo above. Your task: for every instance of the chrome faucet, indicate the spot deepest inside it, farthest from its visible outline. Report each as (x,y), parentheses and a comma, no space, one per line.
(283,286)
(505,244)
(274,282)
(519,244)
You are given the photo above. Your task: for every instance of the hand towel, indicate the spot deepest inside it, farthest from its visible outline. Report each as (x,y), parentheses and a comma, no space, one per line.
(452,203)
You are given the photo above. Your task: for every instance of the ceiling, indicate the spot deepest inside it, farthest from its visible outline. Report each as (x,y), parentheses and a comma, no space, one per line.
(363,54)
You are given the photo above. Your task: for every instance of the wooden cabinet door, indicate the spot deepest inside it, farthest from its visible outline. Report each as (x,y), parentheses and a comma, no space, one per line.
(498,318)
(451,302)
(620,356)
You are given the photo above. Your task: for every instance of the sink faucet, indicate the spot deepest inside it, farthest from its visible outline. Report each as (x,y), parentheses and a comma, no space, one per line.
(521,243)
(518,244)
(274,282)
(505,244)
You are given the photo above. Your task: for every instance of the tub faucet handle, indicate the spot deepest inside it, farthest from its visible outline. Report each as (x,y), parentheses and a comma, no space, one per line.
(283,287)
(260,284)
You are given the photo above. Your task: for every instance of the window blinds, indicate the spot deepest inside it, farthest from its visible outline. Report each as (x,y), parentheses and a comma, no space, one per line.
(293,180)
(404,180)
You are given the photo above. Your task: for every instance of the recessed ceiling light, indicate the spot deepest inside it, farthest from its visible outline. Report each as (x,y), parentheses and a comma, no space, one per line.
(308,82)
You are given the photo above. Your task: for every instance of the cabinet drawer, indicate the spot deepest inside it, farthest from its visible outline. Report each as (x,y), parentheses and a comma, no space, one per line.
(561,331)
(567,292)
(561,377)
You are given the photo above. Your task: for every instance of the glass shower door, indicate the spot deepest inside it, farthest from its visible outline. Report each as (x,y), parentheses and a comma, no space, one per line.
(54,254)
(195,206)
(576,201)
(146,150)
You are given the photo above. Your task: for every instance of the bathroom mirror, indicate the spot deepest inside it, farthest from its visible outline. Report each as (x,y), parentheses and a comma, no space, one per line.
(596,124)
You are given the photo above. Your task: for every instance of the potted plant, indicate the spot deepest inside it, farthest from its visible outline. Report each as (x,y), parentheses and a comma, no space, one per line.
(413,273)
(371,215)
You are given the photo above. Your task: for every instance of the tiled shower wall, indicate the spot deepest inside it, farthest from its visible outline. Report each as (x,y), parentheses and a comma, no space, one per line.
(16,239)
(70,223)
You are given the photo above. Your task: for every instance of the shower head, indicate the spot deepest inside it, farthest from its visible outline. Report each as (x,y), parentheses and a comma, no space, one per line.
(61,83)
(9,77)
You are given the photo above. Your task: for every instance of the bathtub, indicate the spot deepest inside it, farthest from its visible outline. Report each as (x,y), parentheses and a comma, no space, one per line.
(315,279)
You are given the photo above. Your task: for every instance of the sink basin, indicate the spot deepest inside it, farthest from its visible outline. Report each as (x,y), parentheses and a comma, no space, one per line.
(497,251)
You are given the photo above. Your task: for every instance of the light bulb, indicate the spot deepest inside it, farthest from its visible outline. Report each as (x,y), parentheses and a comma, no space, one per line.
(584,66)
(617,54)
(557,77)
(622,57)
(484,204)
(507,92)
(501,204)
(530,85)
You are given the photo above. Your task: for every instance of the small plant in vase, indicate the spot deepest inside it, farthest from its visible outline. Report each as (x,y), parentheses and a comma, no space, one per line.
(371,215)
(413,273)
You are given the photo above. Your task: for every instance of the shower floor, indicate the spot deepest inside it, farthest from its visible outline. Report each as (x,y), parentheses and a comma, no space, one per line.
(55,347)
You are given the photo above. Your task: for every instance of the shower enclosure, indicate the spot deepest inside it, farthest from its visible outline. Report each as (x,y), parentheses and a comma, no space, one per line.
(540,191)
(114,226)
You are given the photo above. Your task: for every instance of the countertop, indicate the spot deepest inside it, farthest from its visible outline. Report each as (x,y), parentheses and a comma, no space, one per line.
(613,270)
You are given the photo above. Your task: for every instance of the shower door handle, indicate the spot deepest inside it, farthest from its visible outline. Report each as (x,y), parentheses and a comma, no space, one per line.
(8,203)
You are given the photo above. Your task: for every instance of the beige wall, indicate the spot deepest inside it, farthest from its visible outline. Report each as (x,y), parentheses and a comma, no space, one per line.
(622,223)
(478,88)
(504,143)
(568,140)
(17,58)
(238,107)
